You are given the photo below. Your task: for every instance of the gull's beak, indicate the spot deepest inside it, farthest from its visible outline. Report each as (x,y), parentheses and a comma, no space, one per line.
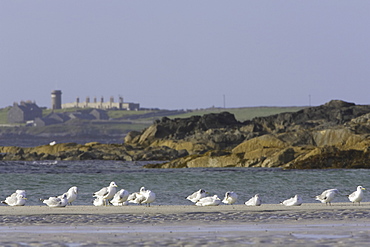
(363,188)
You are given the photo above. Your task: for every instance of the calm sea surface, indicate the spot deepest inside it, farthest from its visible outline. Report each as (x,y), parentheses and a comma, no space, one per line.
(42,179)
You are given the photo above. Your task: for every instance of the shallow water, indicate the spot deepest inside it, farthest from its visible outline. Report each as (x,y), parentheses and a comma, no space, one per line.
(43,179)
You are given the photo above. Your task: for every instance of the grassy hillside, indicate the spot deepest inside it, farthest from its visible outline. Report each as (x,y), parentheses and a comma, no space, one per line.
(126,121)
(120,114)
(4,115)
(87,128)
(46,112)
(242,114)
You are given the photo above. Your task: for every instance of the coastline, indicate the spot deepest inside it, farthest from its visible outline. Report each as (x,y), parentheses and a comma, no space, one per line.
(268,224)
(182,209)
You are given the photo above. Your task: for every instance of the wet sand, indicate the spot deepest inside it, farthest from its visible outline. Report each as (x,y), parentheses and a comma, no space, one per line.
(342,224)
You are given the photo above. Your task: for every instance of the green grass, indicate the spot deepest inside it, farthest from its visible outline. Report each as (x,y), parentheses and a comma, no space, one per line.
(111,113)
(4,115)
(120,113)
(85,127)
(46,112)
(117,128)
(242,114)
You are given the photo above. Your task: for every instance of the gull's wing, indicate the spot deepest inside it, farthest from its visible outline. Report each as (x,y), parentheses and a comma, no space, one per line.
(102,192)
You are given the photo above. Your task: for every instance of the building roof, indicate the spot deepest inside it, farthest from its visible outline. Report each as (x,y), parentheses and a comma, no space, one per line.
(28,106)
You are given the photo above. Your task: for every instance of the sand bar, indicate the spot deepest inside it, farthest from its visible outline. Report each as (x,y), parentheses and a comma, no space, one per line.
(268,225)
(181,209)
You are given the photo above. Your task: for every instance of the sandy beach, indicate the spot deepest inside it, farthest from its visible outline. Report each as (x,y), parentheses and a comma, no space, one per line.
(342,224)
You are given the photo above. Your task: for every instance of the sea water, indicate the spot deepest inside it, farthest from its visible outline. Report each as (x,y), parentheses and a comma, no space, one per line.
(42,179)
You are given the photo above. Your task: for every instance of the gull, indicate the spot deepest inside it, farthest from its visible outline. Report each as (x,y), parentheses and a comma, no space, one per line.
(52,143)
(54,202)
(71,194)
(21,192)
(106,193)
(15,200)
(327,196)
(149,197)
(230,197)
(357,196)
(120,198)
(98,201)
(209,201)
(137,197)
(144,196)
(197,195)
(293,201)
(254,201)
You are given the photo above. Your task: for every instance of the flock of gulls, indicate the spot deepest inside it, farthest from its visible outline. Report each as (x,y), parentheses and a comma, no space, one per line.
(122,197)
(200,199)
(104,197)
(110,196)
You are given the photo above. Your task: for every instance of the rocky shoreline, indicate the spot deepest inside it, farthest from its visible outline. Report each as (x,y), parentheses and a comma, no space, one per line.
(333,135)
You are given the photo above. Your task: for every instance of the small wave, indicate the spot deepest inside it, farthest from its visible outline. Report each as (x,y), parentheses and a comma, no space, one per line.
(51,162)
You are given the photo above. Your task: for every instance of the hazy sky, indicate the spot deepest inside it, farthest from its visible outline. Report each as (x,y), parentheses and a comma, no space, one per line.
(186,54)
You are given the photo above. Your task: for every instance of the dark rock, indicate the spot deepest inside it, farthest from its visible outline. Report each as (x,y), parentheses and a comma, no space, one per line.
(182,153)
(181,128)
(338,104)
(86,156)
(331,114)
(132,137)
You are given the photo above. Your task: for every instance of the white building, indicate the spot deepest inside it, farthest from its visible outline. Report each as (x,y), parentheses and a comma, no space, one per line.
(103,105)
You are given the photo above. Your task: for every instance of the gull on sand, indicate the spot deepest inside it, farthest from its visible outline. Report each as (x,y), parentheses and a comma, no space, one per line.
(357,196)
(120,198)
(55,202)
(209,201)
(327,196)
(254,201)
(144,196)
(230,197)
(293,201)
(136,197)
(149,197)
(71,194)
(98,202)
(106,193)
(197,195)
(16,199)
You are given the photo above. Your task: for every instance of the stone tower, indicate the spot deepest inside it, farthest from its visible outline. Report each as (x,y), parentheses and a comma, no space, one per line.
(56,99)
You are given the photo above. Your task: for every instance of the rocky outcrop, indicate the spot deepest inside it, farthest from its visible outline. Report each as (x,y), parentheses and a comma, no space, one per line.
(89,151)
(210,130)
(197,134)
(333,113)
(335,149)
(333,135)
